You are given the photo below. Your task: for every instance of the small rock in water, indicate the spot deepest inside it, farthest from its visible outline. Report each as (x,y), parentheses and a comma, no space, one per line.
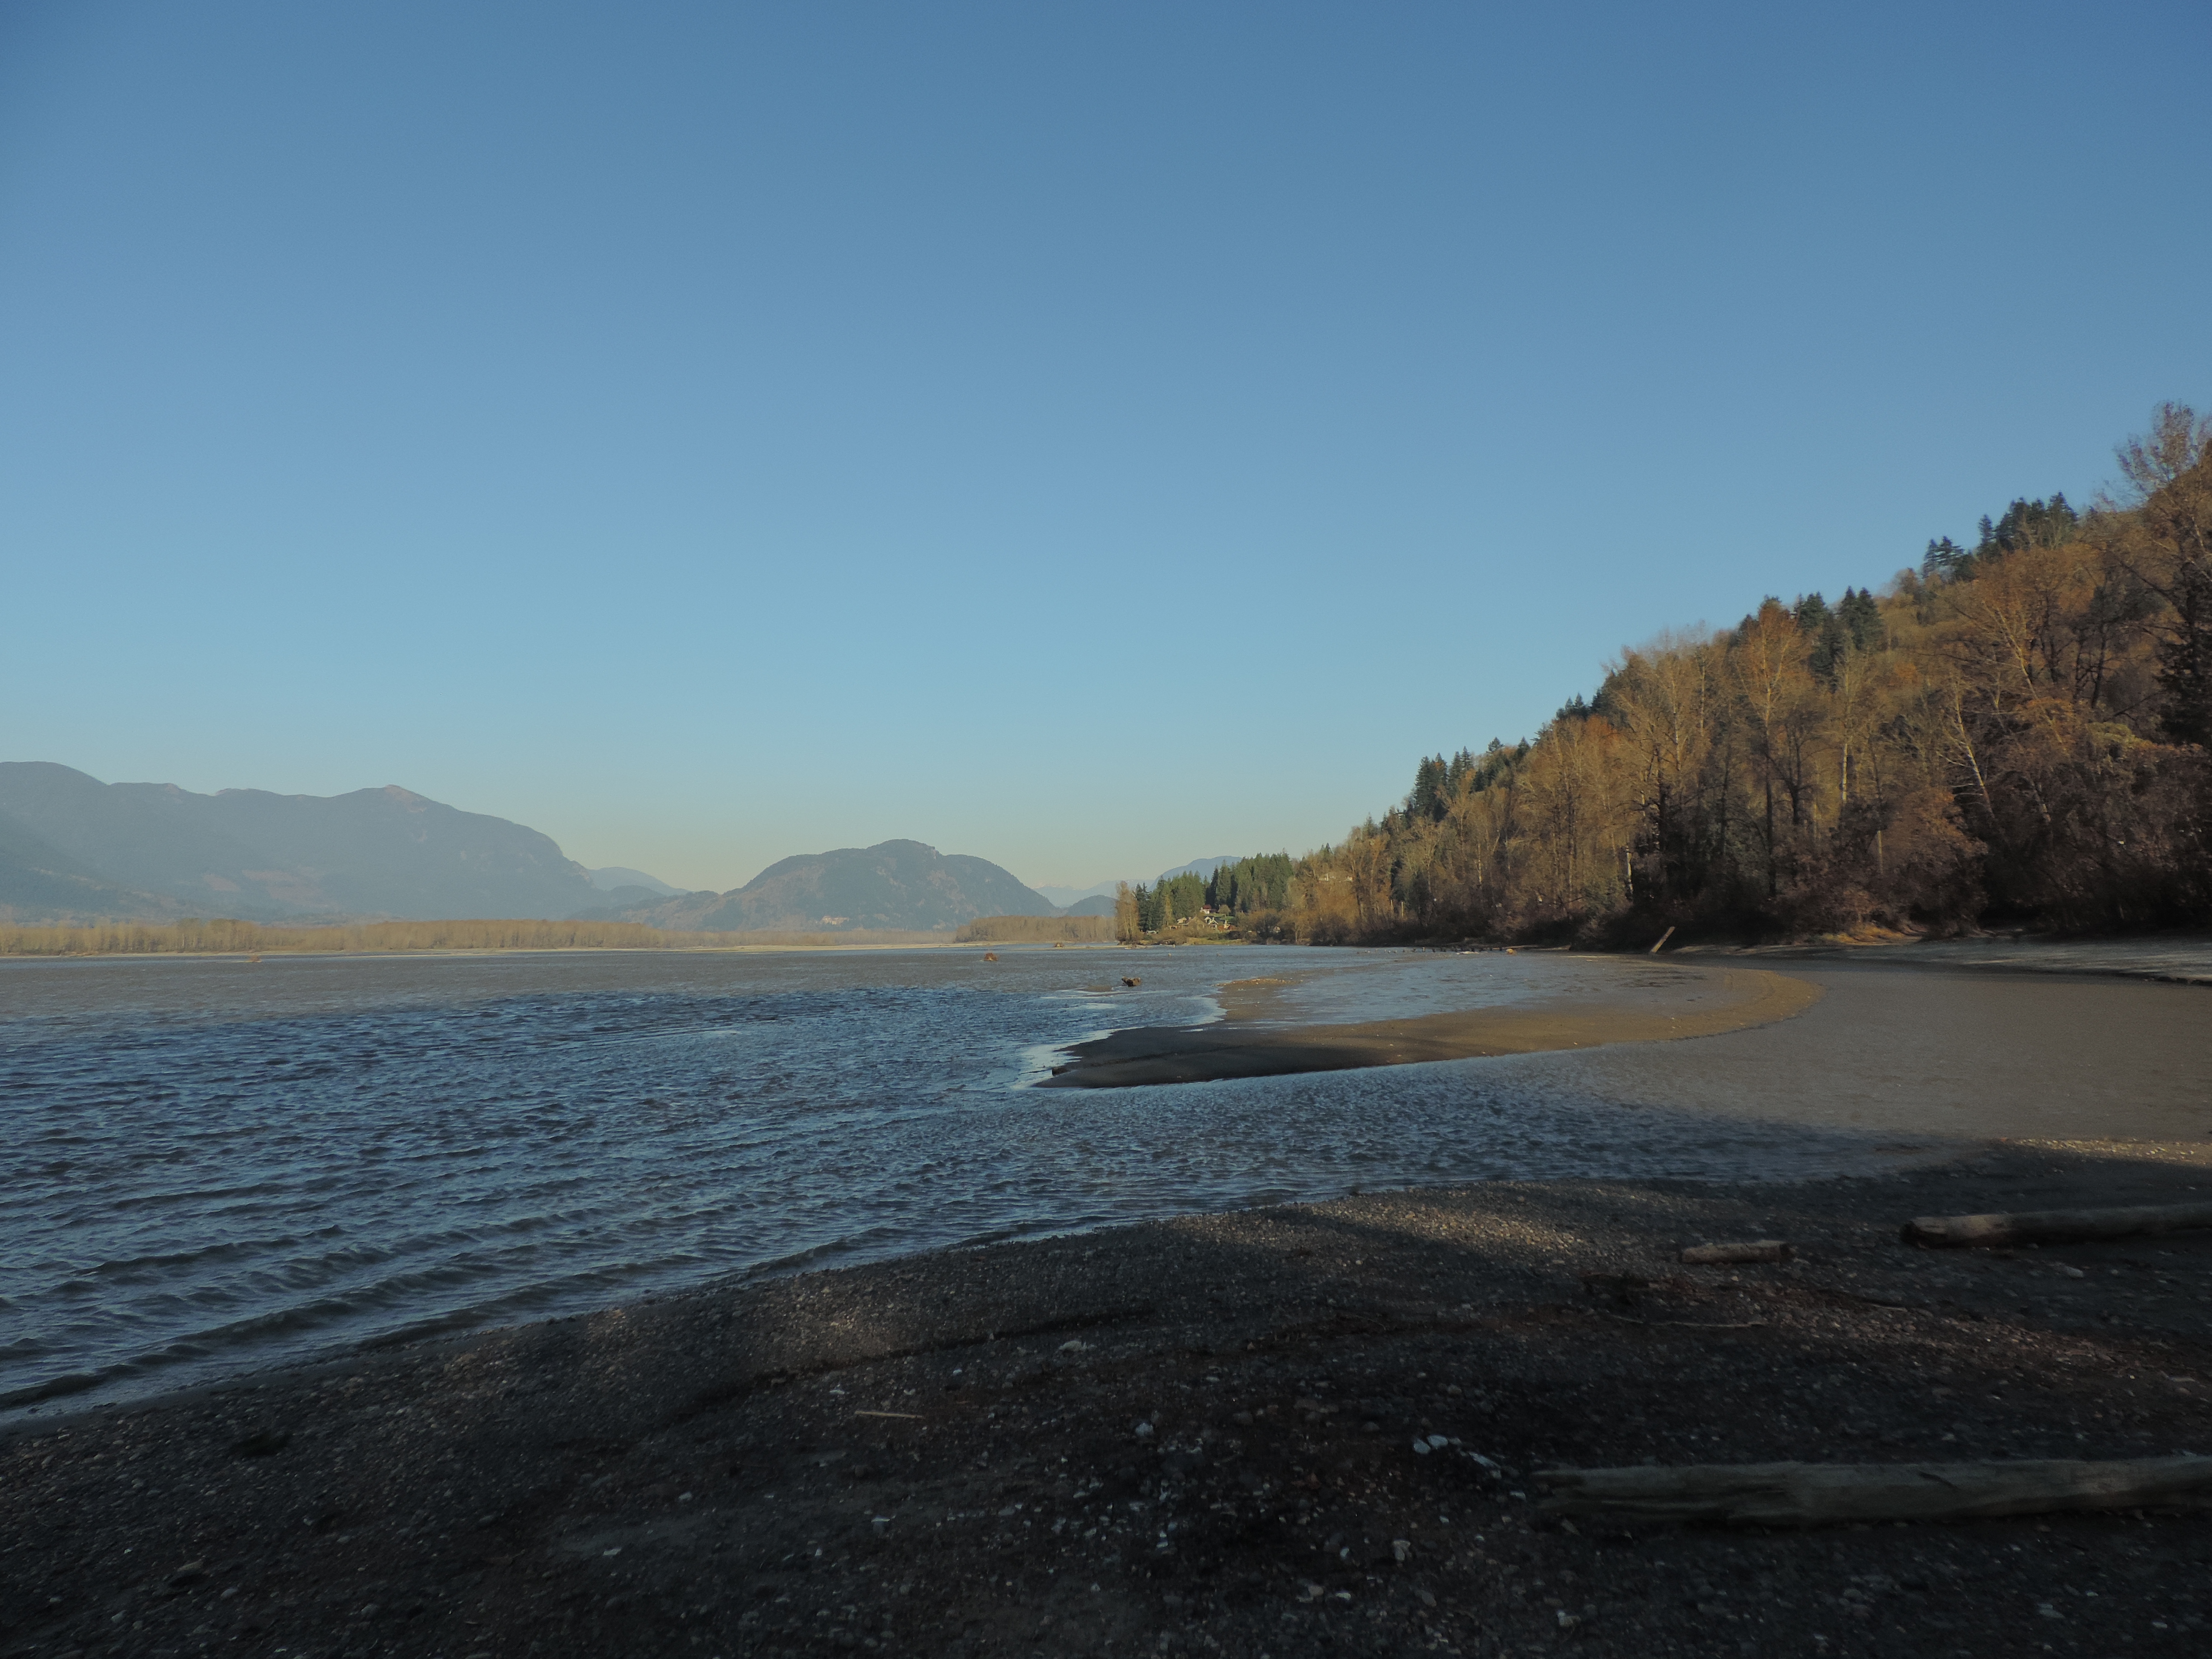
(1075,1345)
(1402,1548)
(1144,1431)
(190,1573)
(684,1497)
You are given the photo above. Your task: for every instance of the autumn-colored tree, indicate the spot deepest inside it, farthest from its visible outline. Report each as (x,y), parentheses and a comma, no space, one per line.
(2019,727)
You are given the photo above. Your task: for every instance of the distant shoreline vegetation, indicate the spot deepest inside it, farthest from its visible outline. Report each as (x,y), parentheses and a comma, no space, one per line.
(1036,930)
(2016,732)
(224,937)
(1247,899)
(2019,731)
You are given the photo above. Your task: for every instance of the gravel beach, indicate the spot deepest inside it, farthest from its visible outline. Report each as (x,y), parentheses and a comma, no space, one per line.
(1193,1437)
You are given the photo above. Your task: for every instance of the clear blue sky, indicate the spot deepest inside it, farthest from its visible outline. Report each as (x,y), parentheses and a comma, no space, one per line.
(1087,437)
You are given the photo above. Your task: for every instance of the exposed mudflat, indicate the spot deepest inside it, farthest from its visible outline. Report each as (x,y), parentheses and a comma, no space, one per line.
(1188,1436)
(2178,958)
(1653,1005)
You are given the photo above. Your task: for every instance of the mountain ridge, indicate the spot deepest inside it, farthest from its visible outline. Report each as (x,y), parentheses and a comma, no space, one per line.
(1067,899)
(75,849)
(896,885)
(613,877)
(259,856)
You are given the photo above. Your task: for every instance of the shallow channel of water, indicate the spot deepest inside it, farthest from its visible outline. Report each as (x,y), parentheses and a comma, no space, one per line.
(210,1165)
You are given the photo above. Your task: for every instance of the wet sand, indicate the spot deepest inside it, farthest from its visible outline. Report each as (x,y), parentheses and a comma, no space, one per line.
(2176,958)
(1690,1003)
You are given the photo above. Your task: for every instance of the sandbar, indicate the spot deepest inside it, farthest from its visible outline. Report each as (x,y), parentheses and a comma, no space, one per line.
(1691,1003)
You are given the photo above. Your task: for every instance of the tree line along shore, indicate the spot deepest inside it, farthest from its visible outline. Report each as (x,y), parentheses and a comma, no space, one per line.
(2012,732)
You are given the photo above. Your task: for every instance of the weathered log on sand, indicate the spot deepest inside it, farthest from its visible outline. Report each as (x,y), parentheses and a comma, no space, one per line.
(1823,1494)
(1757,1250)
(2054,1226)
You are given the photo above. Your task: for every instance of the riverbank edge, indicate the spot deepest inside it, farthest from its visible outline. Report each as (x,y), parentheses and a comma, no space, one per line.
(1236,1046)
(892,1443)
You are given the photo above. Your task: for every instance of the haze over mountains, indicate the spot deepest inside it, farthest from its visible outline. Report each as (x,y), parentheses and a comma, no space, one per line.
(897,884)
(613,877)
(1080,901)
(73,848)
(84,847)
(1065,896)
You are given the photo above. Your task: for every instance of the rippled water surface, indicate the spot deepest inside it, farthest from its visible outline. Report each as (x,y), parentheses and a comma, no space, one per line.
(210,1165)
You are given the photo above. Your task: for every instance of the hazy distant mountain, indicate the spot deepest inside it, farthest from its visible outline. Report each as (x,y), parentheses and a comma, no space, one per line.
(614,877)
(1077,901)
(1069,896)
(897,884)
(39,883)
(152,849)
(1199,867)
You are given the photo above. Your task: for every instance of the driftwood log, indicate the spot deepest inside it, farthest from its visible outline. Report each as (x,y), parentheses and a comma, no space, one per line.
(2054,1226)
(1824,1494)
(1757,1250)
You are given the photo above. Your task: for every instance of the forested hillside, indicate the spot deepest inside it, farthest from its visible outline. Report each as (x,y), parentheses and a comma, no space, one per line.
(1237,892)
(2016,730)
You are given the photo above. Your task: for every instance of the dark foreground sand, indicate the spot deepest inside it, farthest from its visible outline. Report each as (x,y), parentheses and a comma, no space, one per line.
(1697,1002)
(943,1454)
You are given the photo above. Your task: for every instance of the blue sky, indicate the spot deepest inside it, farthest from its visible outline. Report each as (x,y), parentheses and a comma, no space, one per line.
(1090,438)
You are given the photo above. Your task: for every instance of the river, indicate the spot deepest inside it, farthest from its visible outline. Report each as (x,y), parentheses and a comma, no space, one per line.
(211,1165)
